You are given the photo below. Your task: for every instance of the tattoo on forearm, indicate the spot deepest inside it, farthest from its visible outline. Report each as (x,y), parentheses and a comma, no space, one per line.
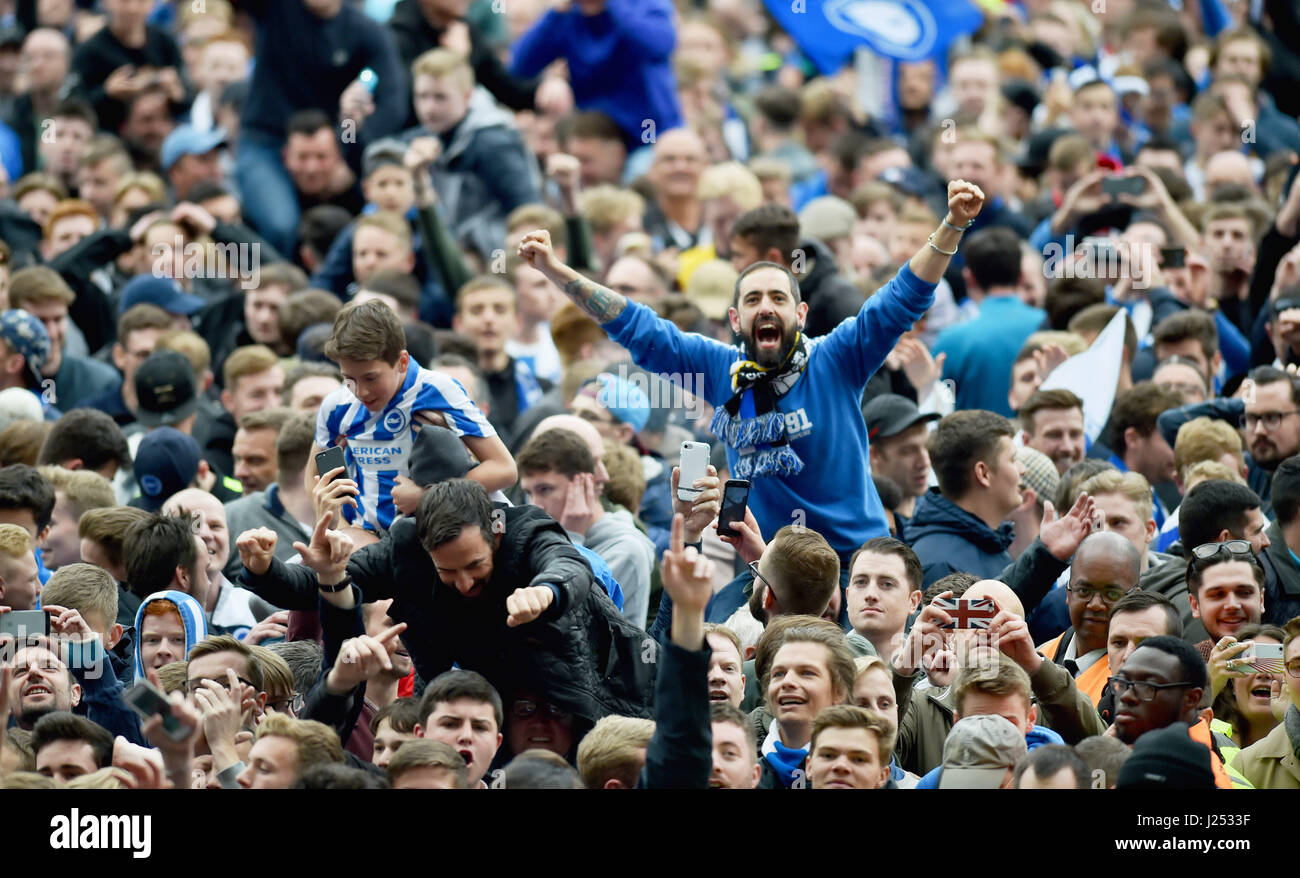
(600,302)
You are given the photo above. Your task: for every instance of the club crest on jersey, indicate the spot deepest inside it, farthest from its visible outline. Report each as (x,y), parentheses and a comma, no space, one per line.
(395,421)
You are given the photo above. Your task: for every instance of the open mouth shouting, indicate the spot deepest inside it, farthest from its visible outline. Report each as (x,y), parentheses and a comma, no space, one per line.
(768,334)
(718,694)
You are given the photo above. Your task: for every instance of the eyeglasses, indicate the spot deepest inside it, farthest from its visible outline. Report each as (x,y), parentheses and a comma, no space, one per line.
(525,708)
(1271,420)
(1110,595)
(758,577)
(1206,551)
(291,705)
(1294,669)
(1144,691)
(192,686)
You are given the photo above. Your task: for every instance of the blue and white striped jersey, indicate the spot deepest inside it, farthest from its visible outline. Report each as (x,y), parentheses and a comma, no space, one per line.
(379,443)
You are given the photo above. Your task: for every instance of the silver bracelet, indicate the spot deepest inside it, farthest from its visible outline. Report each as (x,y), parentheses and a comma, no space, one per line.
(958,228)
(935,247)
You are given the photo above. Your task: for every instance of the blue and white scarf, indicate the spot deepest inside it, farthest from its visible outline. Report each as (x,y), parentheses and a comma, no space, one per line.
(752,418)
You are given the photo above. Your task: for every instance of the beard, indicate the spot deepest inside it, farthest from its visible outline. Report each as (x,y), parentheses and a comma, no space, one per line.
(770,358)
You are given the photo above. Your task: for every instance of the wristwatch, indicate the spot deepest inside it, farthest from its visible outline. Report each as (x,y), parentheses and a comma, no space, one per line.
(337,587)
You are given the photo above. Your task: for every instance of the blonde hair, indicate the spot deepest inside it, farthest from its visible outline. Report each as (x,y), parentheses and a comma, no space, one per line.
(864,663)
(316,742)
(440,63)
(83,587)
(27,780)
(191,346)
(1071,342)
(1205,439)
(152,185)
(82,489)
(610,751)
(109,778)
(540,216)
(386,221)
(733,180)
(173,676)
(277,678)
(626,485)
(15,541)
(724,631)
(38,284)
(1132,485)
(248,360)
(769,168)
(605,206)
(107,528)
(1206,470)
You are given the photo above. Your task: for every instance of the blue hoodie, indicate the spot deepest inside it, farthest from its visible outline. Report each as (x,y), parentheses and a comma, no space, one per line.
(947,539)
(1034,738)
(191,613)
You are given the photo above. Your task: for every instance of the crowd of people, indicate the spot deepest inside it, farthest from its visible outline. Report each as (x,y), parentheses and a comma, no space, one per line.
(356,355)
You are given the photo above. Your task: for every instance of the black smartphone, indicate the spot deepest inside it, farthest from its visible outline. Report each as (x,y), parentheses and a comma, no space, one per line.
(735,496)
(1173,257)
(330,458)
(147,700)
(1115,186)
(25,623)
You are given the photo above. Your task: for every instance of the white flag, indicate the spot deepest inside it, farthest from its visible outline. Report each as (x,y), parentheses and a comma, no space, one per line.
(1093,375)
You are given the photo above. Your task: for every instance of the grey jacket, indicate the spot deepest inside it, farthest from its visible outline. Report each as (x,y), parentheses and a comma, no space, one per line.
(262,509)
(630,556)
(482,174)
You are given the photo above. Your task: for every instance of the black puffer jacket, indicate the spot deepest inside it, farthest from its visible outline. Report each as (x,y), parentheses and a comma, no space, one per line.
(581,653)
(831,296)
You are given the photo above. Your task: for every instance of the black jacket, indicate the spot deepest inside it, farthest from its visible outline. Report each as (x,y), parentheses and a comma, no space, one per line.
(831,297)
(680,755)
(581,653)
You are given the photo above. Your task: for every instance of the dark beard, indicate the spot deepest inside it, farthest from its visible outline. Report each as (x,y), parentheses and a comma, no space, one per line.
(26,719)
(772,360)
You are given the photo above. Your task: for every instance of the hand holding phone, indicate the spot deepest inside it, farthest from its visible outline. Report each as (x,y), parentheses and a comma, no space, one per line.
(23,624)
(968,614)
(329,459)
(735,496)
(149,701)
(694,465)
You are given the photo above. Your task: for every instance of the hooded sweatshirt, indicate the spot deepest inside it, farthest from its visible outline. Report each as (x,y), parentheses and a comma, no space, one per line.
(947,539)
(191,613)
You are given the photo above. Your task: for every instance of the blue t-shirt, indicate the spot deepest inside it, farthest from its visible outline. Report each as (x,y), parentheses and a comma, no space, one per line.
(379,443)
(982,351)
(833,494)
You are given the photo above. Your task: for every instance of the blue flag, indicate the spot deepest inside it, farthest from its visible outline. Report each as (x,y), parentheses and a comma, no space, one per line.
(828,31)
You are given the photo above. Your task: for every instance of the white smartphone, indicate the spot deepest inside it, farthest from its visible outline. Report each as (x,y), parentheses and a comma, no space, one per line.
(694,465)
(1259,658)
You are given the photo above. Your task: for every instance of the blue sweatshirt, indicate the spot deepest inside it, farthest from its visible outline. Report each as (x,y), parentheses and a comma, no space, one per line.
(834,494)
(619,62)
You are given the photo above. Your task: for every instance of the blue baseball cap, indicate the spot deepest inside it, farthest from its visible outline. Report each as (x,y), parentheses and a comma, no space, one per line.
(625,401)
(27,336)
(188,140)
(145,289)
(166,462)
